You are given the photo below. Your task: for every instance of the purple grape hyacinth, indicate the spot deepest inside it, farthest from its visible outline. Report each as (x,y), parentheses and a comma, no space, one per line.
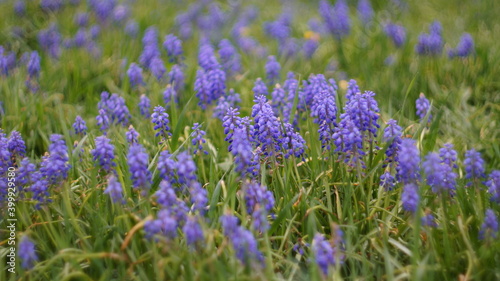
(173,46)
(197,138)
(132,135)
(103,153)
(423,106)
(493,185)
(273,69)
(27,253)
(336,18)
(55,167)
(193,231)
(137,160)
(134,73)
(160,119)
(267,127)
(489,228)
(80,126)
(464,48)
(114,189)
(408,162)
(145,106)
(327,253)
(397,33)
(16,145)
(474,165)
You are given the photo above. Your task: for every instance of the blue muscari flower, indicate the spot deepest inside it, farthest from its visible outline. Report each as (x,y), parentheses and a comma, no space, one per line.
(278,100)
(266,126)
(430,44)
(349,141)
(33,65)
(198,197)
(464,48)
(423,106)
(392,135)
(176,77)
(206,57)
(39,186)
(260,222)
(474,165)
(94,31)
(273,69)
(169,94)
(16,145)
(408,160)
(231,122)
(137,160)
(336,18)
(365,11)
(230,58)
(397,33)
(258,195)
(352,89)
(132,135)
(120,13)
(440,176)
(24,174)
(243,241)
(80,38)
(134,73)
(150,43)
(165,196)
(326,253)
(410,197)
(50,40)
(173,46)
(279,29)
(202,89)
(102,8)
(260,88)
(56,166)
(363,111)
(197,138)
(51,5)
(292,142)
(193,231)
(324,112)
(160,119)
(309,47)
(131,28)
(20,8)
(114,189)
(209,86)
(429,220)
(114,108)
(231,100)
(103,153)
(387,181)
(103,120)
(168,224)
(489,228)
(316,26)
(81,19)
(186,168)
(167,166)
(448,155)
(157,68)
(145,106)
(27,253)
(80,126)
(290,48)
(246,164)
(316,85)
(493,185)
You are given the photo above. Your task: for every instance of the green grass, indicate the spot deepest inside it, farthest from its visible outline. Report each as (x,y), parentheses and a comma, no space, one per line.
(82,235)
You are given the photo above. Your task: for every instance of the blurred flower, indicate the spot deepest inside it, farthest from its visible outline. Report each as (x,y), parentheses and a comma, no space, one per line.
(55,167)
(310,46)
(197,138)
(114,189)
(103,153)
(408,162)
(134,73)
(266,126)
(423,106)
(387,181)
(493,185)
(120,13)
(145,106)
(259,88)
(193,231)
(16,145)
(26,252)
(392,135)
(336,18)
(410,197)
(186,168)
(439,175)
(430,44)
(169,95)
(81,19)
(327,253)
(20,8)
(230,58)
(489,228)
(198,197)
(50,40)
(231,100)
(176,77)
(365,11)
(397,33)
(137,160)
(464,48)
(103,120)
(474,165)
(132,135)
(173,46)
(25,174)
(160,119)
(243,241)
(157,68)
(273,69)
(429,220)
(114,108)
(132,28)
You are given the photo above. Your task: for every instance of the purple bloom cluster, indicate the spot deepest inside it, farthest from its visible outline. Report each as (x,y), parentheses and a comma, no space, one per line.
(464,48)
(365,11)
(310,46)
(230,100)
(55,167)
(423,106)
(489,228)
(273,69)
(132,135)
(327,253)
(243,241)
(349,141)
(352,89)
(160,119)
(397,33)
(80,126)
(103,153)
(279,29)
(197,138)
(324,111)
(114,189)
(474,165)
(246,161)
(429,220)
(173,46)
(439,175)
(145,106)
(176,78)
(16,145)
(292,142)
(493,185)
(137,160)
(392,135)
(230,58)
(431,44)
(210,83)
(50,40)
(387,181)
(267,127)
(33,67)
(25,174)
(259,88)
(150,56)
(114,108)
(193,231)
(26,252)
(336,18)
(408,160)
(134,73)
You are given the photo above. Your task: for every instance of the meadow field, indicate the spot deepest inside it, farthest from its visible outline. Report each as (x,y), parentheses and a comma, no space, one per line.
(249,140)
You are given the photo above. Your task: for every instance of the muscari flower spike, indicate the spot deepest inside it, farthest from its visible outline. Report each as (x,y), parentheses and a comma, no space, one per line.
(27,253)
(160,119)
(493,185)
(80,126)
(489,228)
(137,160)
(103,153)
(114,189)
(145,106)
(132,135)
